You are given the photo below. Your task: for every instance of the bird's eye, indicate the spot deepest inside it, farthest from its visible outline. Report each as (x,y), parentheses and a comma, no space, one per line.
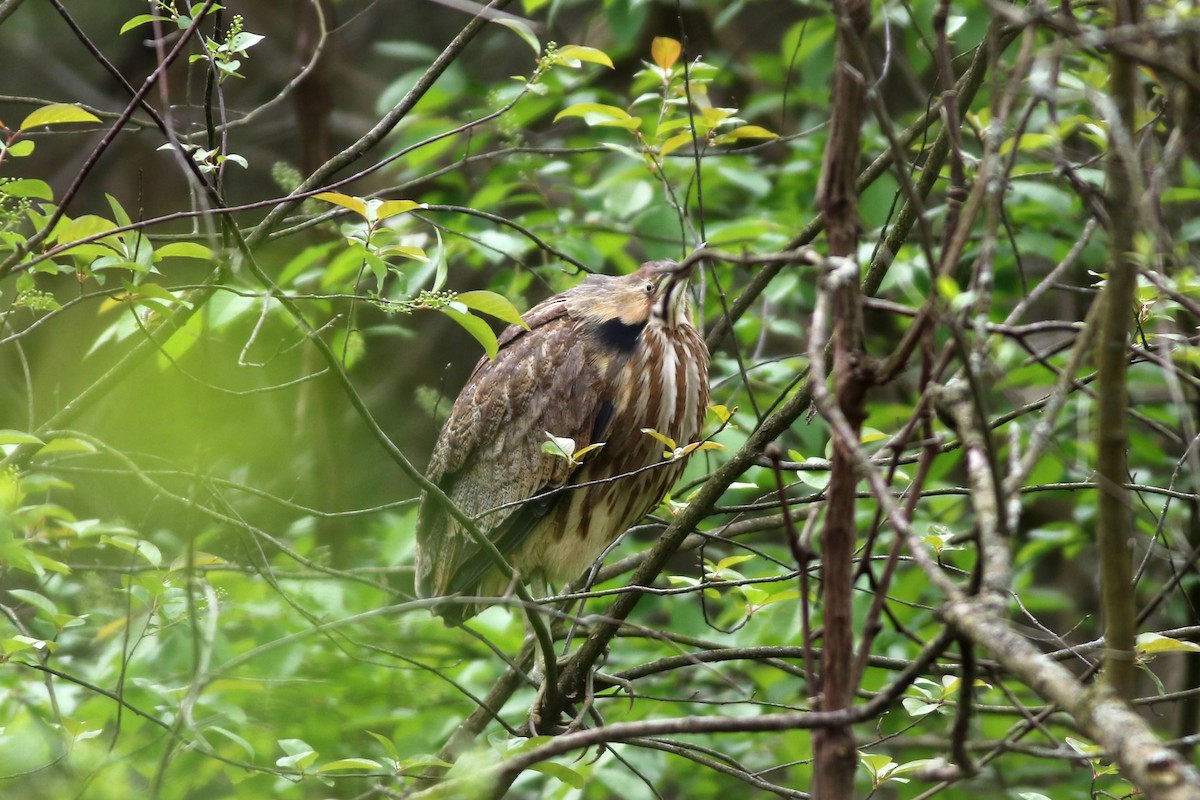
(650,287)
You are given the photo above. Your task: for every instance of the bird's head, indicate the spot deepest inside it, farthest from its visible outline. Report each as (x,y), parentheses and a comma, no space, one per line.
(656,292)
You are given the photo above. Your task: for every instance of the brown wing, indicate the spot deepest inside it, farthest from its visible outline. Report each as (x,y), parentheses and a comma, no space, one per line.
(490,454)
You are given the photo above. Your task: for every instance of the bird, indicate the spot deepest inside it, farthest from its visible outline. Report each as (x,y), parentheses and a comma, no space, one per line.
(600,363)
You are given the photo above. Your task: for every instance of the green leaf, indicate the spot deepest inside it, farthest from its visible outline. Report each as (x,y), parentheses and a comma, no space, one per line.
(299,754)
(82,228)
(20,642)
(142,547)
(119,213)
(575,52)
(496,305)
(38,601)
(441,266)
(21,149)
(139,20)
(404,251)
(66,444)
(477,328)
(184,250)
(233,737)
(522,29)
(346,764)
(947,287)
(732,561)
(675,142)
(57,114)
(241,42)
(917,707)
(27,187)
(559,446)
(387,745)
(18,437)
(561,771)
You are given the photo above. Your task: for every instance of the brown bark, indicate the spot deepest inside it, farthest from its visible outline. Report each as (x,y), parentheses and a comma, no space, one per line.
(1114,520)
(835,758)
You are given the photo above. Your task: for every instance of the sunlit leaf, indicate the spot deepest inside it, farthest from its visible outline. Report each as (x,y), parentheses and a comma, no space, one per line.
(666,440)
(347,764)
(665,51)
(575,52)
(1150,644)
(750,132)
(493,304)
(57,114)
(355,204)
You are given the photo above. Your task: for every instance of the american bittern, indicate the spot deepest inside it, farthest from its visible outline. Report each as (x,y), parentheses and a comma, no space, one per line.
(599,363)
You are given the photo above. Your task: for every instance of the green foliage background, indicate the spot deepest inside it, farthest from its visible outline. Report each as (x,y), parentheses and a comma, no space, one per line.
(205,548)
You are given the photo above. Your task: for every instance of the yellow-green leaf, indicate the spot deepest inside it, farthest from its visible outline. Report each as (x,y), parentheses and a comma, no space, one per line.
(57,114)
(1150,644)
(21,149)
(346,764)
(724,414)
(675,142)
(18,437)
(947,287)
(665,51)
(390,208)
(66,445)
(631,124)
(666,440)
(575,52)
(82,228)
(355,204)
(404,251)
(477,328)
(751,132)
(731,561)
(583,451)
(28,187)
(199,559)
(184,250)
(140,19)
(593,111)
(1028,142)
(497,305)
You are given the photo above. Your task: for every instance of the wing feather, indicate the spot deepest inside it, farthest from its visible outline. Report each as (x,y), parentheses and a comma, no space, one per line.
(489,453)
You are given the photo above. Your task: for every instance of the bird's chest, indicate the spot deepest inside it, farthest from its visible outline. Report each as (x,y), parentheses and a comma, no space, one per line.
(660,385)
